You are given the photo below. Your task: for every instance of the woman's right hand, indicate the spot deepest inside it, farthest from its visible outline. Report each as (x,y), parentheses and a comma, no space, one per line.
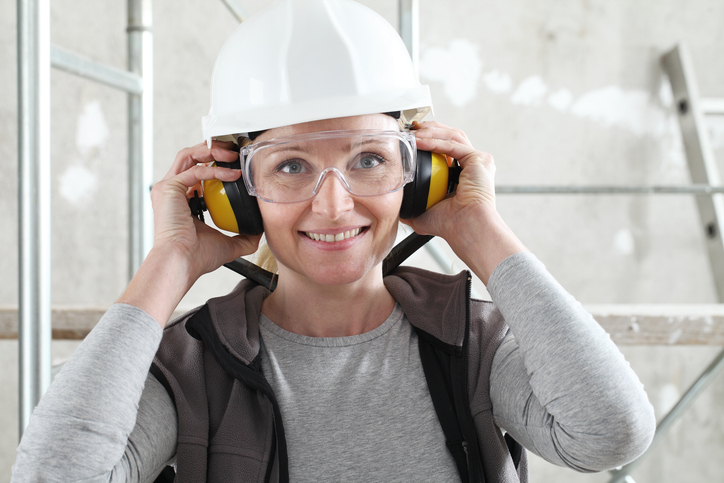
(205,248)
(184,248)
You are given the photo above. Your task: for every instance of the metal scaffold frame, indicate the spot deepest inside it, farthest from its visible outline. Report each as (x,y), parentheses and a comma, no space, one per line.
(35,57)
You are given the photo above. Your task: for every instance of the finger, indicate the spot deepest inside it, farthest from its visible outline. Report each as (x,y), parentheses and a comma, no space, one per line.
(189,157)
(433,129)
(201,172)
(183,182)
(462,152)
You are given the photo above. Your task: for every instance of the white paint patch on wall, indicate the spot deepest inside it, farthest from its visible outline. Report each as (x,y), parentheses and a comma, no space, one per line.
(458,67)
(668,397)
(624,242)
(632,110)
(560,99)
(715,125)
(530,92)
(92,131)
(497,82)
(77,183)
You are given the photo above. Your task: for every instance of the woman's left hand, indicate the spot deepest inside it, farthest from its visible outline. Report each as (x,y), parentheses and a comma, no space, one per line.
(475,194)
(467,220)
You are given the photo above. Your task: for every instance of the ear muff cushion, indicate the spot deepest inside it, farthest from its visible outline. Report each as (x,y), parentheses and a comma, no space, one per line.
(414,199)
(244,206)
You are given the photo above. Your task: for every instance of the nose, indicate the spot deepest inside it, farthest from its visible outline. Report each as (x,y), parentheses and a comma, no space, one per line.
(332,199)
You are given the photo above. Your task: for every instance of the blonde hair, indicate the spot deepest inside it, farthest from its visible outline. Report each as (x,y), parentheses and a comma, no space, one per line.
(265,258)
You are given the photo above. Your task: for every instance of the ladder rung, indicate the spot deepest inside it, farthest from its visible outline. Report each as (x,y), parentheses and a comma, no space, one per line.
(712,106)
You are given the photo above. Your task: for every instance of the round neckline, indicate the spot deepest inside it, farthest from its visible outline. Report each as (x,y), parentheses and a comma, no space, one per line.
(393,319)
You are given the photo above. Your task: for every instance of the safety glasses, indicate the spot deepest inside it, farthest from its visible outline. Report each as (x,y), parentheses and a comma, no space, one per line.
(292,168)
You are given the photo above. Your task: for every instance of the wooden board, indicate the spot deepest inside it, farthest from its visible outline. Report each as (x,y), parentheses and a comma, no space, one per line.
(627,324)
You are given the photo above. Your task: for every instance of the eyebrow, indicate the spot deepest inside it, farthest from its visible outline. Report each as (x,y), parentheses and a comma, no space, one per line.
(284,148)
(274,149)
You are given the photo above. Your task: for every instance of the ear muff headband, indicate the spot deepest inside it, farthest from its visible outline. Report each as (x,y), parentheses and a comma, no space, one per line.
(244,207)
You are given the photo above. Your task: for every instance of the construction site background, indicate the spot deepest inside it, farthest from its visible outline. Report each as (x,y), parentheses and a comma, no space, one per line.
(561,93)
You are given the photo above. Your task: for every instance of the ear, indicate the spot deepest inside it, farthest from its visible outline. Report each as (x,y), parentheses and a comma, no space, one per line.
(231,207)
(431,183)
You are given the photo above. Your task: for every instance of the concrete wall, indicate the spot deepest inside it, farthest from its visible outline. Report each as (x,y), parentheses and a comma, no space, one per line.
(559,92)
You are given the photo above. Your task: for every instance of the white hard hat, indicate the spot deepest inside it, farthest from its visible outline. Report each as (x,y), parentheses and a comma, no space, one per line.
(305,60)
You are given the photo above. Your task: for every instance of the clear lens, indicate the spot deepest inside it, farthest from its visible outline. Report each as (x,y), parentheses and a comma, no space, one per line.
(293,168)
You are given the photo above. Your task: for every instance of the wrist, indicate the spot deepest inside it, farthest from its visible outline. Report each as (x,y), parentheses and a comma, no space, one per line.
(481,239)
(160,283)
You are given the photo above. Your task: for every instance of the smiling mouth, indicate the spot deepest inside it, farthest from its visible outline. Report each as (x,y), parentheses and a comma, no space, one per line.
(331,238)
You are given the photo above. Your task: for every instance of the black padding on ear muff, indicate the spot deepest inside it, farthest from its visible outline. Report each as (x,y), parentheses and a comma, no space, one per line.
(245,207)
(416,192)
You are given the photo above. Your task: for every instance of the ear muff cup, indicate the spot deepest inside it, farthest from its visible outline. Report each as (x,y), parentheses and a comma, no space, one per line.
(430,184)
(233,204)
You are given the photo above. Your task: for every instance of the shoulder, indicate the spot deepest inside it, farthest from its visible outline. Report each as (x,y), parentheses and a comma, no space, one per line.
(441,306)
(232,318)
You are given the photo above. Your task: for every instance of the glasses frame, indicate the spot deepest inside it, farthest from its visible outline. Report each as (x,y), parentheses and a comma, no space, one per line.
(246,153)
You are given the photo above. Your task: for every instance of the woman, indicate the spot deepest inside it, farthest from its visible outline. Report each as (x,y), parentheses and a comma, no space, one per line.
(339,373)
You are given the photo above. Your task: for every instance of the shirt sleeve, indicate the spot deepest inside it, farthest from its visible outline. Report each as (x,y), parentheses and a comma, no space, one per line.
(104,418)
(558,384)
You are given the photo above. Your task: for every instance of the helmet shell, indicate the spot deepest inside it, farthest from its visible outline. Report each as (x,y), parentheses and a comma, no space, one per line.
(304,60)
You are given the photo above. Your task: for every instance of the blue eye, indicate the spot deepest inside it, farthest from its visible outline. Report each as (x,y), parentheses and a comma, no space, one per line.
(368,161)
(291,167)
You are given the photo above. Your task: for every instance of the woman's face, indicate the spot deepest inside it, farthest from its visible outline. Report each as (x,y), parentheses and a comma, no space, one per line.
(364,227)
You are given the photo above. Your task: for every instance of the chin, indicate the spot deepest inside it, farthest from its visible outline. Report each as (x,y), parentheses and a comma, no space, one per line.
(340,275)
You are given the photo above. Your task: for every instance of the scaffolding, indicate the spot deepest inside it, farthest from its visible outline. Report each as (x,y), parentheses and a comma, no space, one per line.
(35,57)
(34,329)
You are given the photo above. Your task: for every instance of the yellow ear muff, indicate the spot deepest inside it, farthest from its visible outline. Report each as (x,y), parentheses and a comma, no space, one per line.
(231,207)
(219,205)
(439,178)
(432,182)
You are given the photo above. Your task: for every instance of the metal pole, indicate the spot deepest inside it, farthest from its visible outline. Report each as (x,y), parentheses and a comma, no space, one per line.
(701,383)
(140,133)
(409,19)
(34,322)
(236,9)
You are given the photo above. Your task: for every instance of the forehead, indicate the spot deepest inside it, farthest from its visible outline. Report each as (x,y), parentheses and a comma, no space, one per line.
(370,121)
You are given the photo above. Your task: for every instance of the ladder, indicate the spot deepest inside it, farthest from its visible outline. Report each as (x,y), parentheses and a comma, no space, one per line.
(692,110)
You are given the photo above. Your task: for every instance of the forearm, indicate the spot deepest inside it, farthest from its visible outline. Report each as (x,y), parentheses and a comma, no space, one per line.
(560,386)
(159,284)
(80,428)
(482,240)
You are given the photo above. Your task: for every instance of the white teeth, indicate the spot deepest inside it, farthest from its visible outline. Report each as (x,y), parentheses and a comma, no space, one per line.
(334,238)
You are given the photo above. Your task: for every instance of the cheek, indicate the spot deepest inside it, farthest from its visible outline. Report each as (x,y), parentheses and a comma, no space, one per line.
(388,214)
(277,221)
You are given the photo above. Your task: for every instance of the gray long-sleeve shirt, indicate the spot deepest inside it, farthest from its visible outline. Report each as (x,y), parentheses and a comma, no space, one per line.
(106,419)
